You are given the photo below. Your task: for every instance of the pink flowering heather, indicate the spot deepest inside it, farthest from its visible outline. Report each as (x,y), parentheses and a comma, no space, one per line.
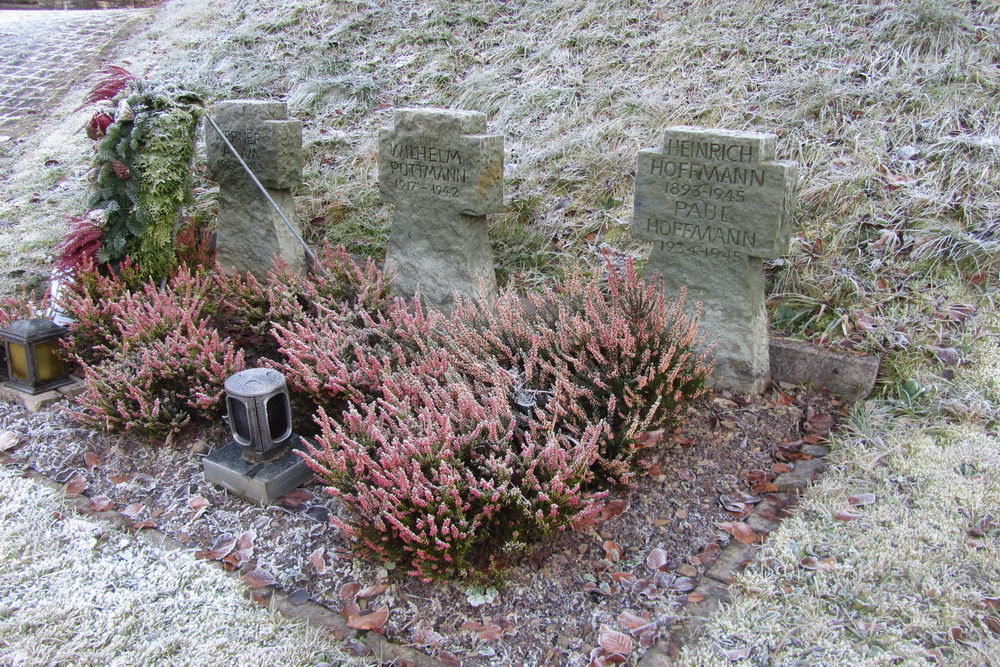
(155,384)
(108,310)
(437,477)
(150,358)
(285,296)
(618,353)
(342,354)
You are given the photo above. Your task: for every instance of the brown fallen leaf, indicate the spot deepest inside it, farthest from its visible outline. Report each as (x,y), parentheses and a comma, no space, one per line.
(743,533)
(696,597)
(993,623)
(372,591)
(198,503)
(349,591)
(351,610)
(488,632)
(222,547)
(614,508)
(317,561)
(76,486)
(821,423)
(613,641)
(992,603)
(612,551)
(631,621)
(259,578)
(139,525)
(657,559)
(134,510)
(101,504)
(619,577)
(298,498)
(119,479)
(861,499)
(846,515)
(91,460)
(8,440)
(372,621)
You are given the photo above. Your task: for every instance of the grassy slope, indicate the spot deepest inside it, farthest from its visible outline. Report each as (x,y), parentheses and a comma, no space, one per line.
(891,109)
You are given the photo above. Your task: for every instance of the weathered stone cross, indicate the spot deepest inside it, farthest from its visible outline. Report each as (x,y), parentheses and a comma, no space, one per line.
(250,232)
(715,203)
(443,174)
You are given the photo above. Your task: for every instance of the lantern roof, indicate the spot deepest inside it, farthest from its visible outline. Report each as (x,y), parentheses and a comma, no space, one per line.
(254,382)
(32,330)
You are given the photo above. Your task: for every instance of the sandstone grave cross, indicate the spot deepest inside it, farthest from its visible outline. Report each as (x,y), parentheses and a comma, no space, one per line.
(443,174)
(250,232)
(716,203)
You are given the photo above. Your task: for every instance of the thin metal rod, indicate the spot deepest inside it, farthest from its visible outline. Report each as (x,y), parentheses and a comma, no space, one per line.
(267,196)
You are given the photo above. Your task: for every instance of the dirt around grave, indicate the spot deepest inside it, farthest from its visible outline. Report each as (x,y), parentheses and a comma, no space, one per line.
(551,609)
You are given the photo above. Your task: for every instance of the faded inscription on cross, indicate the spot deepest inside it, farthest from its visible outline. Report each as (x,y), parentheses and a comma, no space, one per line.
(250,233)
(443,174)
(715,203)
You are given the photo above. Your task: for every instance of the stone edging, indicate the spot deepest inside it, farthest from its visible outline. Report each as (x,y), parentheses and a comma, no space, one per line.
(713,589)
(310,612)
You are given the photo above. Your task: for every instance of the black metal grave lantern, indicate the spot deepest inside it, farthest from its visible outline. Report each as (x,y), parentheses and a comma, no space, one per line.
(33,362)
(260,414)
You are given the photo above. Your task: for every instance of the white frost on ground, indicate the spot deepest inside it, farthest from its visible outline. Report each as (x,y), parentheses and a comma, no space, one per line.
(75,591)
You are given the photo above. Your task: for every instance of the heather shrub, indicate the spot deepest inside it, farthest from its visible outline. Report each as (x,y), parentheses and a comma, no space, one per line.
(286,296)
(341,354)
(438,478)
(98,301)
(167,366)
(619,353)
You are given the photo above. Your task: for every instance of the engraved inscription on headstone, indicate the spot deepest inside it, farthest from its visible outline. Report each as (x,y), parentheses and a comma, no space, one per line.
(250,232)
(443,174)
(716,203)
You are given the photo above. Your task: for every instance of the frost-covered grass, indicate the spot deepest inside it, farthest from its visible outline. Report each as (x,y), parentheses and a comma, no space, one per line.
(891,109)
(76,591)
(916,564)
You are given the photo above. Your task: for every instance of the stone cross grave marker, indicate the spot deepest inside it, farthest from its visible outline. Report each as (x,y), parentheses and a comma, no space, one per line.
(250,232)
(443,174)
(716,203)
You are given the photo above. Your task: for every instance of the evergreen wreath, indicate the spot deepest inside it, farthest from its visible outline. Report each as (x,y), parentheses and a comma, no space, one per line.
(143,173)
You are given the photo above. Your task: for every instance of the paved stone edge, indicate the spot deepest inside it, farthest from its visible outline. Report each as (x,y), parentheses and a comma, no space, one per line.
(309,612)
(713,591)
(30,123)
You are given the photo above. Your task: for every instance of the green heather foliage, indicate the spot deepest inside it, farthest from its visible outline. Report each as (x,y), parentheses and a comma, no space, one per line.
(144,176)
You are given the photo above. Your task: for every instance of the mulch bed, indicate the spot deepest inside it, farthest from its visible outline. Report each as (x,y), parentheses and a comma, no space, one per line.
(631,573)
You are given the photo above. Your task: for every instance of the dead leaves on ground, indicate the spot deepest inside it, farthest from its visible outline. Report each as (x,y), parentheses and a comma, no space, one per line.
(259,578)
(740,531)
(373,621)
(8,440)
(232,552)
(76,486)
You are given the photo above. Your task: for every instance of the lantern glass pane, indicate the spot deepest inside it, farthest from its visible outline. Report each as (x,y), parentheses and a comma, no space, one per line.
(50,366)
(18,355)
(278,417)
(239,421)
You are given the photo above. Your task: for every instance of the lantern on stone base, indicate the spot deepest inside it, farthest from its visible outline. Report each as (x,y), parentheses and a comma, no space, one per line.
(34,365)
(261,463)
